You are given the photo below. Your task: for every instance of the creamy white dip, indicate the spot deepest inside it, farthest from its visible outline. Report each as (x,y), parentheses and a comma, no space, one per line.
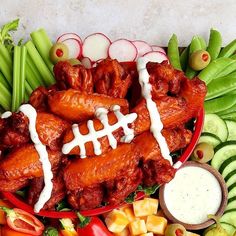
(193,194)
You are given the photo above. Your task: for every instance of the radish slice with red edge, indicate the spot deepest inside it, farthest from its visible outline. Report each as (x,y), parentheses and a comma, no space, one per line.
(95,46)
(156,57)
(159,49)
(74,46)
(69,36)
(123,50)
(142,47)
(86,62)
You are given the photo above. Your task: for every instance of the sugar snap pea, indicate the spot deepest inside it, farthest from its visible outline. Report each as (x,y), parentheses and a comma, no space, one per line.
(228,50)
(184,58)
(173,52)
(219,104)
(228,69)
(221,86)
(215,44)
(213,69)
(228,111)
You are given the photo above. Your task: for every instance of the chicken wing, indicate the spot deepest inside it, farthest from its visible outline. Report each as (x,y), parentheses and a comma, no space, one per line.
(76,106)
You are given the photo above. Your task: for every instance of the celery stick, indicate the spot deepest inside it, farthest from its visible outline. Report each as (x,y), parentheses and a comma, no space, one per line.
(4,82)
(38,61)
(6,69)
(43,45)
(22,73)
(30,77)
(37,76)
(28,90)
(6,54)
(2,110)
(16,79)
(5,97)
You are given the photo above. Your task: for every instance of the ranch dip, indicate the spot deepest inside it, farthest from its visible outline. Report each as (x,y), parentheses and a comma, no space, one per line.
(193,194)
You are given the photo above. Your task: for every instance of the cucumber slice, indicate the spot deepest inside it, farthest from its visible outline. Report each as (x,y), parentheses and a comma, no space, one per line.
(226,163)
(232,199)
(229,217)
(231,194)
(231,126)
(223,152)
(209,138)
(231,205)
(230,229)
(215,125)
(231,180)
(231,187)
(228,166)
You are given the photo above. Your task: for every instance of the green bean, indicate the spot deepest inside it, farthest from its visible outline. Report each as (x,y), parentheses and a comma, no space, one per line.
(221,86)
(228,69)
(196,44)
(184,58)
(228,50)
(202,42)
(173,52)
(215,44)
(219,104)
(213,69)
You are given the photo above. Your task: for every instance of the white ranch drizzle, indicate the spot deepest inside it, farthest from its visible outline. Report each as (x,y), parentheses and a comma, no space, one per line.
(6,115)
(93,135)
(156,124)
(45,195)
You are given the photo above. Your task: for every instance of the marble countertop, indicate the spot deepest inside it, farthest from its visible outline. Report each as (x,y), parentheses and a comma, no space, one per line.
(151,20)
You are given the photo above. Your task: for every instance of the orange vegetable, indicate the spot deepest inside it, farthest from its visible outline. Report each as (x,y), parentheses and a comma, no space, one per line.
(6,231)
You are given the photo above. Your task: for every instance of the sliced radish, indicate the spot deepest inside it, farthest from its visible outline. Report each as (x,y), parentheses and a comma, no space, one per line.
(156,57)
(159,49)
(74,46)
(142,47)
(86,62)
(123,50)
(69,36)
(95,46)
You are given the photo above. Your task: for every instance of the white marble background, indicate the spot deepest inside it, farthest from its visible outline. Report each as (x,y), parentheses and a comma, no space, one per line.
(150,20)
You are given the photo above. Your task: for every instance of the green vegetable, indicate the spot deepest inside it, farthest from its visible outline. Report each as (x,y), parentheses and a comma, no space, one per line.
(28,90)
(228,50)
(233,57)
(59,52)
(5,37)
(213,69)
(43,45)
(215,43)
(184,58)
(18,95)
(131,197)
(199,60)
(228,69)
(4,82)
(42,67)
(221,86)
(196,44)
(219,104)
(50,231)
(173,52)
(148,190)
(5,95)
(218,230)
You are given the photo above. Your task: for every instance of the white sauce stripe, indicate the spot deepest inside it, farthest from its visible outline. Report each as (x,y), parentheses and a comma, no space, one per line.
(156,124)
(45,195)
(6,115)
(93,136)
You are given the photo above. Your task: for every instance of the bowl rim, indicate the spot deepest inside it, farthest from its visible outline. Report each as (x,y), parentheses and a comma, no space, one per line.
(19,203)
(221,209)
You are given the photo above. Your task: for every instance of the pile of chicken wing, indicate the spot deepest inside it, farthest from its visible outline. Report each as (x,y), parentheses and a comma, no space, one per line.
(87,183)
